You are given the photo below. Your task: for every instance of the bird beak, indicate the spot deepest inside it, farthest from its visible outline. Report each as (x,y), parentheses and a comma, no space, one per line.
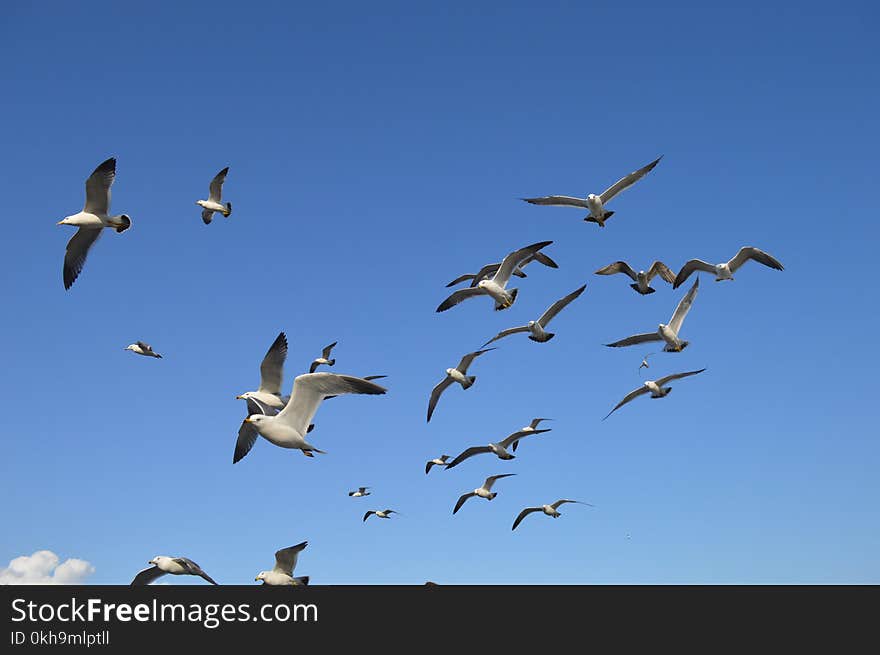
(239,397)
(257,578)
(248,420)
(61,222)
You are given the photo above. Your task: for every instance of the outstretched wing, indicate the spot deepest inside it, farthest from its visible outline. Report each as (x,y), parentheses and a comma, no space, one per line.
(523,514)
(470,452)
(436,392)
(558,306)
(541,258)
(327,349)
(562,501)
(193,569)
(509,440)
(460,296)
(677,376)
(557,201)
(461,278)
(247,436)
(618,267)
(689,267)
(77,251)
(367,515)
(749,252)
(216,189)
(470,357)
(513,261)
(147,576)
(635,339)
(310,389)
(462,500)
(272,366)
(285,559)
(98,188)
(661,269)
(628,397)
(683,307)
(628,180)
(487,485)
(507,333)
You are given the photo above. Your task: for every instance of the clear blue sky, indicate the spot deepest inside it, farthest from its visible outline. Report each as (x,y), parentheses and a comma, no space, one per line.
(376,151)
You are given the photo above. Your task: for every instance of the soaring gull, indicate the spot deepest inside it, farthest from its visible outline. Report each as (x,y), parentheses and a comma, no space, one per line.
(437,461)
(667,333)
(489,270)
(499,448)
(90,221)
(483,492)
(289,427)
(382,513)
(213,203)
(324,358)
(496,286)
(141,348)
(596,204)
(361,492)
(641,280)
(271,376)
(282,573)
(725,270)
(531,427)
(172,565)
(536,328)
(654,387)
(457,374)
(549,510)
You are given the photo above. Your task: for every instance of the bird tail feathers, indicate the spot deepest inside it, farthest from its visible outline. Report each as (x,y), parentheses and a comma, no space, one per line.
(228,209)
(470,381)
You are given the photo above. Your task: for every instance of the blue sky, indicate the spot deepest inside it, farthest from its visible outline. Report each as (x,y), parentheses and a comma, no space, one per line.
(377,151)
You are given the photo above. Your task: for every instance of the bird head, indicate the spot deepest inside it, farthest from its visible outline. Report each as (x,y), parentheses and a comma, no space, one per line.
(64,221)
(482,284)
(260,576)
(532,323)
(244,396)
(255,419)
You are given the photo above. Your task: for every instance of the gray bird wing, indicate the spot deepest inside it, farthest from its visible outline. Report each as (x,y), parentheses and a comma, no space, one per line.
(558,201)
(215,190)
(627,181)
(507,333)
(514,259)
(98,187)
(635,339)
(436,392)
(470,452)
(461,278)
(460,296)
(147,576)
(272,366)
(684,307)
(462,500)
(661,269)
(676,376)
(77,252)
(628,397)
(558,306)
(285,559)
(487,485)
(689,267)
(470,357)
(525,513)
(618,267)
(749,252)
(247,435)
(326,352)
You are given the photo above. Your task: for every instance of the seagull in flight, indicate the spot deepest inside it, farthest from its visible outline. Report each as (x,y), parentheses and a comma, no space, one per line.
(490,269)
(641,280)
(499,448)
(496,286)
(271,376)
(213,203)
(173,565)
(324,358)
(437,461)
(530,428)
(483,492)
(282,573)
(361,491)
(644,363)
(457,374)
(549,510)
(725,270)
(289,427)
(596,204)
(536,328)
(382,513)
(667,333)
(141,348)
(654,387)
(90,221)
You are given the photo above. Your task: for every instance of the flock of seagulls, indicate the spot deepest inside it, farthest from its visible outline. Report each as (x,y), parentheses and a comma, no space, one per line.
(286,421)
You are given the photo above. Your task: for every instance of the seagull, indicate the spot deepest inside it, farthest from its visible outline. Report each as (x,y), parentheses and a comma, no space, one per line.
(285,562)
(489,270)
(382,513)
(529,428)
(655,387)
(361,491)
(499,448)
(94,216)
(667,333)
(437,461)
(549,510)
(644,363)
(289,427)
(457,374)
(141,348)
(324,358)
(271,375)
(725,270)
(496,285)
(172,565)
(596,204)
(213,204)
(483,492)
(641,280)
(536,328)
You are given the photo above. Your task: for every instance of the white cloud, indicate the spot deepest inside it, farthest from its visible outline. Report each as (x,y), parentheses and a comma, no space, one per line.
(43,568)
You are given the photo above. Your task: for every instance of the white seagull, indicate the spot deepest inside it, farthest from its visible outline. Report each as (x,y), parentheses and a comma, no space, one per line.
(457,374)
(654,387)
(324,358)
(382,513)
(213,203)
(536,328)
(437,461)
(667,333)
(641,280)
(489,270)
(282,573)
(361,491)
(596,204)
(496,286)
(483,492)
(289,427)
(531,427)
(644,363)
(725,270)
(90,221)
(172,565)
(549,510)
(271,376)
(141,348)
(499,448)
